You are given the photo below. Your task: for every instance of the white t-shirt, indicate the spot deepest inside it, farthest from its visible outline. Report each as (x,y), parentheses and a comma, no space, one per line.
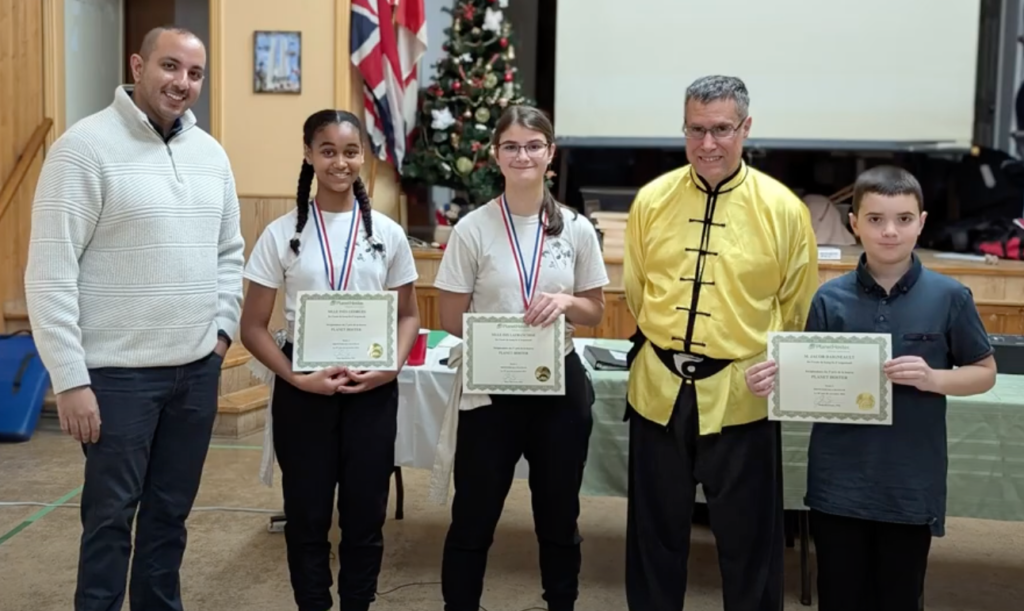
(478,259)
(274,264)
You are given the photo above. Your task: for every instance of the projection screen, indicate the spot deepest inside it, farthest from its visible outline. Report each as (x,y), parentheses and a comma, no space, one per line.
(827,74)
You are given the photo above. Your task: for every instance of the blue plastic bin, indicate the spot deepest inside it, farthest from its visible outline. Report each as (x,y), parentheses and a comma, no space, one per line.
(23,385)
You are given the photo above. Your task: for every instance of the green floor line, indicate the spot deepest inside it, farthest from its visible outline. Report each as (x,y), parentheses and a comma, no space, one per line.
(7,536)
(39,514)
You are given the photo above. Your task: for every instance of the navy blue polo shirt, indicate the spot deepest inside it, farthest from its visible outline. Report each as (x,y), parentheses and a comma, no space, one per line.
(893,473)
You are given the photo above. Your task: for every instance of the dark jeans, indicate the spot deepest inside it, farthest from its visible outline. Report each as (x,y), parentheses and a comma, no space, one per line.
(741,474)
(154,436)
(342,444)
(553,433)
(868,565)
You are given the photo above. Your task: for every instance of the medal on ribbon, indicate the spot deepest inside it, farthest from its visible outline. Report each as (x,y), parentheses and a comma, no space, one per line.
(529,270)
(337,281)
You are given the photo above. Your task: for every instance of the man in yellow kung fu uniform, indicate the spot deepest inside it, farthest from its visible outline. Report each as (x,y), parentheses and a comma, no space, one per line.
(717,255)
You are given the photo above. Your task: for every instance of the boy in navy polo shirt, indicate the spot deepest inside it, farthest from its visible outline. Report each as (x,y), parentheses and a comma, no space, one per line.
(877,493)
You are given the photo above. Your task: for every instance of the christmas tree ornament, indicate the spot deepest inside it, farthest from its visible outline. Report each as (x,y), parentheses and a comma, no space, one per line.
(441,119)
(493,20)
(482,115)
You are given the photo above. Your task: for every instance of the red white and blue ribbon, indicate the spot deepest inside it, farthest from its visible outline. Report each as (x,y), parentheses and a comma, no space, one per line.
(337,281)
(529,270)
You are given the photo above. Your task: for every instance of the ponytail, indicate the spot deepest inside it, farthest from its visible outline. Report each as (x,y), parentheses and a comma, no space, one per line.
(302,202)
(554,211)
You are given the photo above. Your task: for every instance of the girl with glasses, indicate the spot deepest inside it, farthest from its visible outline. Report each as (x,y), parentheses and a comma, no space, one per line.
(520,253)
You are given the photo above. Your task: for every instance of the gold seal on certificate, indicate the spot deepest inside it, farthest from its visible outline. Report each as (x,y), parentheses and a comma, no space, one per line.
(358,330)
(831,377)
(502,355)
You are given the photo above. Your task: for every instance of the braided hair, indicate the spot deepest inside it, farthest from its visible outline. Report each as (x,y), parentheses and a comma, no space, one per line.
(310,128)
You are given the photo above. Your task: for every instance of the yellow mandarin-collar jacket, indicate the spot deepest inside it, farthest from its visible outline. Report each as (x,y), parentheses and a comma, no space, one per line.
(759,275)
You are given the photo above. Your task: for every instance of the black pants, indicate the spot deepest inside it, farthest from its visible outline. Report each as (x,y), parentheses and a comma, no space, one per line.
(157,424)
(323,443)
(740,472)
(869,566)
(553,433)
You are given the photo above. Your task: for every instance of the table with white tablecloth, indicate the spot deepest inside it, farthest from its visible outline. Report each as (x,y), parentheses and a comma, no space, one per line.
(985,439)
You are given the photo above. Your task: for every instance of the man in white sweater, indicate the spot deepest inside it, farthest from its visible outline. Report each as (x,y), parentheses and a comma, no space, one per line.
(134,288)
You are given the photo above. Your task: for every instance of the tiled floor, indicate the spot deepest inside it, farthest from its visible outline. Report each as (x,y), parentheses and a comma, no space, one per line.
(232,561)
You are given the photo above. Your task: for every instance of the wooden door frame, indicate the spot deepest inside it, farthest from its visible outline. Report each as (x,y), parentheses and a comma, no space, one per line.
(53,67)
(215,75)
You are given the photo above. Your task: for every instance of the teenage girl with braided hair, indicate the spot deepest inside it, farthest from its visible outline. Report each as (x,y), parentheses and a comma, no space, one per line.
(336,428)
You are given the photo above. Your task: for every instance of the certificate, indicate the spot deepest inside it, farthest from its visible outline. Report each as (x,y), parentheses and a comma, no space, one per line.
(831,377)
(358,330)
(502,355)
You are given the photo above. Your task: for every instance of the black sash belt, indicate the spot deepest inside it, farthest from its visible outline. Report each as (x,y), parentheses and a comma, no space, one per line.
(688,366)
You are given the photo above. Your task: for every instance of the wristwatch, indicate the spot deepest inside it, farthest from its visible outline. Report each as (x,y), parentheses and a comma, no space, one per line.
(224,336)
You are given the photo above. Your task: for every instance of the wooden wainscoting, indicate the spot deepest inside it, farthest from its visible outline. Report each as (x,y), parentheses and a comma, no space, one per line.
(257,212)
(21,114)
(1002,318)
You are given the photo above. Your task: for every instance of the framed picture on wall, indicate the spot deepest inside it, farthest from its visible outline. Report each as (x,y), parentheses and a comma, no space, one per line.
(277,62)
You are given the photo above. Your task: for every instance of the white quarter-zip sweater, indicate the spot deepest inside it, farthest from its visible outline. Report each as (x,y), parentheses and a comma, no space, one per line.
(136,254)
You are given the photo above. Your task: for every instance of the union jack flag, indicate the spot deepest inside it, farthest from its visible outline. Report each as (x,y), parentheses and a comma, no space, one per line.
(410,15)
(388,61)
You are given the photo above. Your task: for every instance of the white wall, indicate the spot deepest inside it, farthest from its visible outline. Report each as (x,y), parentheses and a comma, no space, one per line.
(93,55)
(870,70)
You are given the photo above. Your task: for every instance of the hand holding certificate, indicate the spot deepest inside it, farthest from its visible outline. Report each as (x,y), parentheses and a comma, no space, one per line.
(517,353)
(828,377)
(504,355)
(356,330)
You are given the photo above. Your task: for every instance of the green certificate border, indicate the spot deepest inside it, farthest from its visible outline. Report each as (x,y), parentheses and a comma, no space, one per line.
(470,320)
(884,400)
(389,299)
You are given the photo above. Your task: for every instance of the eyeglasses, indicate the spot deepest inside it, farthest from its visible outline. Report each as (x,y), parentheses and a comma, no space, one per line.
(533,149)
(718,132)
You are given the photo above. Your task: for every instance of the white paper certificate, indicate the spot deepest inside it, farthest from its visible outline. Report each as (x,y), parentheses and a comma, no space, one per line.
(503,355)
(831,377)
(349,329)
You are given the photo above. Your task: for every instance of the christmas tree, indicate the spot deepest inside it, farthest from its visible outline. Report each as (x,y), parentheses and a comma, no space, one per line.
(475,81)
